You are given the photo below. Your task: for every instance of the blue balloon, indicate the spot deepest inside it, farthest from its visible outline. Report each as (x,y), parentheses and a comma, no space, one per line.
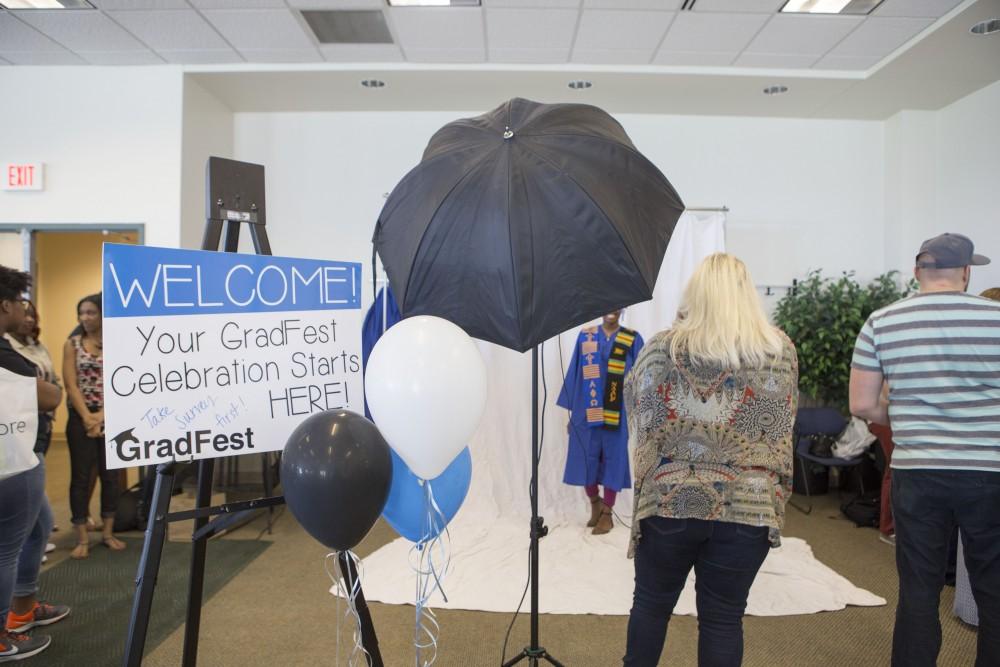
(405,510)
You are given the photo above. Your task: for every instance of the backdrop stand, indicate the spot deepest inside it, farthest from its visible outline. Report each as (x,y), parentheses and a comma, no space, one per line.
(232,191)
(533,652)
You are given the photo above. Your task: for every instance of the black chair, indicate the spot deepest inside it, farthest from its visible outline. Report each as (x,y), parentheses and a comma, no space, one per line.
(812,422)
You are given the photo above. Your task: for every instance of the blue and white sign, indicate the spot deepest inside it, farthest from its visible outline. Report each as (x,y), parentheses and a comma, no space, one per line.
(215,354)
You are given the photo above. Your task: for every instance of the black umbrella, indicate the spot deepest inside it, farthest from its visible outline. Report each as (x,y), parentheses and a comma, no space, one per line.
(526,221)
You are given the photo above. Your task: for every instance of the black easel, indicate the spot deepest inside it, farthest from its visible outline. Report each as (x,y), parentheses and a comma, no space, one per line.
(234,195)
(533,652)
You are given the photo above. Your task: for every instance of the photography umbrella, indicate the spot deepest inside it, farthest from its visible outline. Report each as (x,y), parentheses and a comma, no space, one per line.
(526,221)
(520,224)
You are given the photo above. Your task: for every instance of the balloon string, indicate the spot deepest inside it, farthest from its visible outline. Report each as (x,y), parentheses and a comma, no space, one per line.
(349,587)
(433,558)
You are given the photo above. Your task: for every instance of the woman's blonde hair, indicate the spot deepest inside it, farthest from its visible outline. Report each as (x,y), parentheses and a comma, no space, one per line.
(721,320)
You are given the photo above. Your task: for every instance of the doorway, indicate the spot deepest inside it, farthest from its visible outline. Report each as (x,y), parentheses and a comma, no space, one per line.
(64,261)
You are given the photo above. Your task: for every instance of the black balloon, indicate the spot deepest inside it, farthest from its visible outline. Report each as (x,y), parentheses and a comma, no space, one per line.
(336,472)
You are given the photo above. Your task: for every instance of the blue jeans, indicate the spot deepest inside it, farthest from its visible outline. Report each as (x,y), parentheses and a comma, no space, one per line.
(25,524)
(725,558)
(927,505)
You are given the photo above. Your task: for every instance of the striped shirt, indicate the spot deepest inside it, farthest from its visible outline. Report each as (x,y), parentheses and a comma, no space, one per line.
(940,352)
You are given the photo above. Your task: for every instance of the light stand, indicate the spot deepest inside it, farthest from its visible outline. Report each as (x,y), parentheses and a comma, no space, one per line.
(533,652)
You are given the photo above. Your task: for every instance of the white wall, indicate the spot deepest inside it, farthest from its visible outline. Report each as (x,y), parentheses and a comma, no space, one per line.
(110,140)
(207,131)
(943,175)
(803,193)
(968,177)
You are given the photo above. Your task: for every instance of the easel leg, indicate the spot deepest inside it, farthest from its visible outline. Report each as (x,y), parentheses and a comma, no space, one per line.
(268,487)
(206,469)
(149,565)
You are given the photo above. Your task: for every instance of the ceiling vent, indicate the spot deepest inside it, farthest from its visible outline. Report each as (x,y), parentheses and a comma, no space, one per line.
(348,27)
(688,5)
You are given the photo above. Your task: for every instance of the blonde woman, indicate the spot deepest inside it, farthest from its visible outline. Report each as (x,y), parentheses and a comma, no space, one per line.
(711,403)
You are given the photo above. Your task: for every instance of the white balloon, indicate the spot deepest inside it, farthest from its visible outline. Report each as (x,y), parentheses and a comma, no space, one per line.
(425,384)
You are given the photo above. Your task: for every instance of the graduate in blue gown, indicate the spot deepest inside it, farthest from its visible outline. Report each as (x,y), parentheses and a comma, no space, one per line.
(598,432)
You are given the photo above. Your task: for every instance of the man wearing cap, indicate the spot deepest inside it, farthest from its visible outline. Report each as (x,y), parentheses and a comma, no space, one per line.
(939,351)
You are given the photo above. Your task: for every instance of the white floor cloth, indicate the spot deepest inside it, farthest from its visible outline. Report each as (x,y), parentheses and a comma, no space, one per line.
(585,574)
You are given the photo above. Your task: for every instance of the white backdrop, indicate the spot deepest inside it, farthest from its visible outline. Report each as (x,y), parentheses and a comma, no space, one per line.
(501,448)
(489,536)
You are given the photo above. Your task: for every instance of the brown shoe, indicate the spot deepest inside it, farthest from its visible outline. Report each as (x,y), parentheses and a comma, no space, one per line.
(605,522)
(595,511)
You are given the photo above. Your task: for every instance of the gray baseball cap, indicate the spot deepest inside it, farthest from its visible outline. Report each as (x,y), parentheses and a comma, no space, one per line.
(949,251)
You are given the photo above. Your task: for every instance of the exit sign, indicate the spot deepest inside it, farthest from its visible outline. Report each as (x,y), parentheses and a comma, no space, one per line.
(22,176)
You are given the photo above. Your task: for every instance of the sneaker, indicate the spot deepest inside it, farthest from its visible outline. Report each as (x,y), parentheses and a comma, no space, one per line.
(41,614)
(49,548)
(888,539)
(15,646)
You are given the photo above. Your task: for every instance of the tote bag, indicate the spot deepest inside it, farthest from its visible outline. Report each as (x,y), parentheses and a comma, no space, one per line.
(18,423)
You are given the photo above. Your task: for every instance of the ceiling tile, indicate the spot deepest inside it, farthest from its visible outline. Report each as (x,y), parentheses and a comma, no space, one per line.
(775,60)
(238,4)
(712,32)
(209,57)
(83,31)
(802,35)
(528,56)
(281,55)
(612,56)
(445,55)
(4,62)
(530,28)
(600,29)
(694,58)
(430,28)
(260,28)
(880,36)
(855,63)
(764,6)
(140,4)
(63,57)
(122,58)
(532,4)
(17,36)
(171,29)
(916,8)
(336,4)
(670,5)
(361,53)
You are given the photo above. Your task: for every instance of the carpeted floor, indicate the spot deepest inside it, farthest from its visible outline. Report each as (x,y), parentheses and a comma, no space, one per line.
(277,611)
(100,591)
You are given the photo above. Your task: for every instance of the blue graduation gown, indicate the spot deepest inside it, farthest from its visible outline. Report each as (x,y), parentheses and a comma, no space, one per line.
(596,455)
(373,327)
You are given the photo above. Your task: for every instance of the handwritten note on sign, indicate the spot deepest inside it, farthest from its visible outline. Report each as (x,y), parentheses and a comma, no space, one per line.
(213,354)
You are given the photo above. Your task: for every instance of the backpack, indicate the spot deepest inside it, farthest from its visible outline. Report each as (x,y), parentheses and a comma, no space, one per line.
(864,508)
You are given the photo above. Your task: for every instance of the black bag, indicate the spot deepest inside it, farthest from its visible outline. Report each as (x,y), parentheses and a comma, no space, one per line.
(821,444)
(864,508)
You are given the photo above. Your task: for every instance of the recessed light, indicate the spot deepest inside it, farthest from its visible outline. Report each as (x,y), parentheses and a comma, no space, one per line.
(580,84)
(990,27)
(373,83)
(775,90)
(434,3)
(855,7)
(45,4)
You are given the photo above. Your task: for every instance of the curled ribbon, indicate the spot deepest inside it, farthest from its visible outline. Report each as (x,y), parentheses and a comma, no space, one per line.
(348,589)
(432,556)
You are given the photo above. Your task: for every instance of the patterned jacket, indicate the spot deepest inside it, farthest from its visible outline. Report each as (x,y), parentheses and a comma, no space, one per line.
(711,443)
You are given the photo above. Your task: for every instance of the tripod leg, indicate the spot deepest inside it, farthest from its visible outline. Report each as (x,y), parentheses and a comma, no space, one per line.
(149,566)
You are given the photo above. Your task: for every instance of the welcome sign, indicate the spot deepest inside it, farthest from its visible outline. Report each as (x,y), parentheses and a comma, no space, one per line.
(212,354)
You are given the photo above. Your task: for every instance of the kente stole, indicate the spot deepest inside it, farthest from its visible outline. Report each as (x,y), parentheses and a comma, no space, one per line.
(608,412)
